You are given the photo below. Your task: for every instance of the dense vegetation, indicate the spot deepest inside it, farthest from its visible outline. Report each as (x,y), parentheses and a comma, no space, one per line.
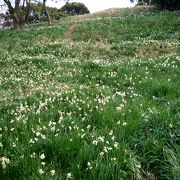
(75,9)
(37,13)
(95,99)
(162,4)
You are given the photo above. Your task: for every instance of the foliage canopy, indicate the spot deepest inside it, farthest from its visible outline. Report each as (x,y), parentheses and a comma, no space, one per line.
(162,4)
(75,9)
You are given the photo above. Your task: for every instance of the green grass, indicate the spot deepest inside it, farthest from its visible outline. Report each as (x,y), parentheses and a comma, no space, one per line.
(95,99)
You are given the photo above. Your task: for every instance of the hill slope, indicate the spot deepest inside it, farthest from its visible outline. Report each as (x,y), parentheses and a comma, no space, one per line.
(94,99)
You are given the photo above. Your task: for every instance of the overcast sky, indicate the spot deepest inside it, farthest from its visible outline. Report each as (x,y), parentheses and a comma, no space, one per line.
(92,5)
(95,5)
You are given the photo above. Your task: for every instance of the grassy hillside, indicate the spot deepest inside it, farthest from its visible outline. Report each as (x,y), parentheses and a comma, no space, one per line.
(92,99)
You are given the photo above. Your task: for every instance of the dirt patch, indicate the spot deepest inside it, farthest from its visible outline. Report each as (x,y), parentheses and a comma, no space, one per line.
(71,30)
(155,51)
(44,38)
(110,13)
(149,52)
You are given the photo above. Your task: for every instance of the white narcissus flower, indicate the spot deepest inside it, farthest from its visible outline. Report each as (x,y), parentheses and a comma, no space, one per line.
(40,171)
(101,153)
(88,127)
(118,122)
(42,156)
(69,175)
(111,132)
(116,145)
(124,123)
(53,172)
(33,155)
(43,163)
(95,142)
(4,162)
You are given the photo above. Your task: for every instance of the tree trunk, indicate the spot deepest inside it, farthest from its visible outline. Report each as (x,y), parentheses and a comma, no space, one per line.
(46,12)
(18,25)
(19,14)
(18,22)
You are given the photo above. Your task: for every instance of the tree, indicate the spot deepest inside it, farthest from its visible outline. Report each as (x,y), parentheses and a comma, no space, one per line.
(37,13)
(75,9)
(46,12)
(168,4)
(163,4)
(19,10)
(6,21)
(142,2)
(1,20)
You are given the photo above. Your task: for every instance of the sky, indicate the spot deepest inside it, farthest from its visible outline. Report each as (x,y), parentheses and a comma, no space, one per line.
(92,5)
(95,5)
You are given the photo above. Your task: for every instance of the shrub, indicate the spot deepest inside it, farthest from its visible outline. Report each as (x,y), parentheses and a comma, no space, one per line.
(75,9)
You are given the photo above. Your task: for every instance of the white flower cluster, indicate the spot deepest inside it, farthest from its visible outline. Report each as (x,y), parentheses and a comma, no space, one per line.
(4,162)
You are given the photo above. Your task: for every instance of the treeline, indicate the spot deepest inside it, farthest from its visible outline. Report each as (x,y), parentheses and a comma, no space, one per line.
(170,5)
(37,13)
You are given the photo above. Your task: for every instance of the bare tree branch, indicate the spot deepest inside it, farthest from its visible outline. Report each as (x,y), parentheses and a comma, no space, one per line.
(10,8)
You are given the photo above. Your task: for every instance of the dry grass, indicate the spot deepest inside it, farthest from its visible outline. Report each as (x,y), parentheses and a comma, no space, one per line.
(112,12)
(69,33)
(154,51)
